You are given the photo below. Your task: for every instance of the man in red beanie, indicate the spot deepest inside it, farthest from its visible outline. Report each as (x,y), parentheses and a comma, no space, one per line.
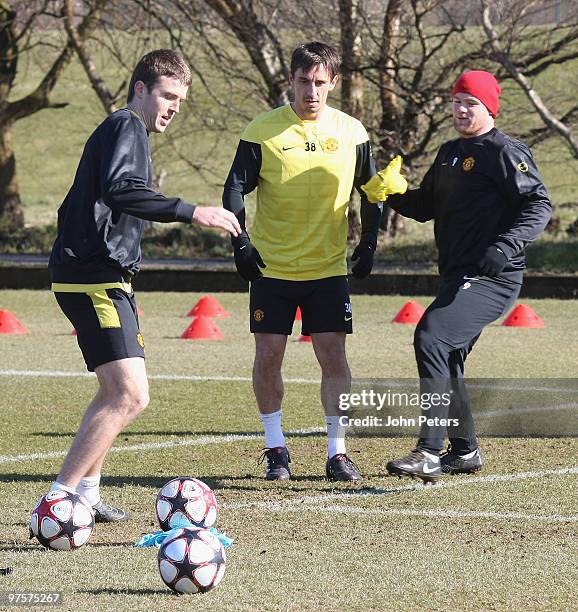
(488,203)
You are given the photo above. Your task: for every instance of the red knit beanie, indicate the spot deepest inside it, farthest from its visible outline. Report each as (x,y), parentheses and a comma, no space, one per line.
(483,86)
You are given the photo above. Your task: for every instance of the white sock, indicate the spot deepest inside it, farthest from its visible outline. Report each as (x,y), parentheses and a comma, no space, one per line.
(273,433)
(88,487)
(469,455)
(335,436)
(58,486)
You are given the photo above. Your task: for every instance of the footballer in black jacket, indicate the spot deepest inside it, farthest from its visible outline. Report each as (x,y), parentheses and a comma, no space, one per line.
(487,200)
(101,220)
(97,253)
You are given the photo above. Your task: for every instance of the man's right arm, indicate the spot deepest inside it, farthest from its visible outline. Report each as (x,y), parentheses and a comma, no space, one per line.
(124,168)
(243,178)
(124,174)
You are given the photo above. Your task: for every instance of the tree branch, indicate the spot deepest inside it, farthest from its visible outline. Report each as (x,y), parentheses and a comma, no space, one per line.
(503,58)
(40,97)
(97,83)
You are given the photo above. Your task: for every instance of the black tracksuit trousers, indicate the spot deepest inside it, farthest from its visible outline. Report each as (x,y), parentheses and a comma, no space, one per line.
(443,339)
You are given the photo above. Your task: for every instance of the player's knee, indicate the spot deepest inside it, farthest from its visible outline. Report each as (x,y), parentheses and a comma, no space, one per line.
(140,400)
(268,358)
(334,363)
(424,341)
(133,401)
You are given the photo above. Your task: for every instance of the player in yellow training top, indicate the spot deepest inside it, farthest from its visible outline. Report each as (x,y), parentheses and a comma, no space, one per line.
(304,159)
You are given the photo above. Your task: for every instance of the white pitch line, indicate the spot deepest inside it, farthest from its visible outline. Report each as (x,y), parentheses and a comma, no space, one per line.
(432,513)
(418,488)
(306,381)
(186,377)
(145,446)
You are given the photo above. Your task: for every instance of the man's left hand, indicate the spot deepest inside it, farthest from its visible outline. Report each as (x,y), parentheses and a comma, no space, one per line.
(363,255)
(493,262)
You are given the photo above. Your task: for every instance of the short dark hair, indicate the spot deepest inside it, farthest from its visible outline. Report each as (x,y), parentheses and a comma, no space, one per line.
(162,62)
(315,54)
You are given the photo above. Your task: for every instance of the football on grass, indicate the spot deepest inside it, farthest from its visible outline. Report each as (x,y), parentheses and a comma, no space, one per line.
(61,521)
(192,560)
(186,501)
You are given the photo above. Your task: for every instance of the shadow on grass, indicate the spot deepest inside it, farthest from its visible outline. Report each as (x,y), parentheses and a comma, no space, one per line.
(16,548)
(172,434)
(253,483)
(127,592)
(156,482)
(33,546)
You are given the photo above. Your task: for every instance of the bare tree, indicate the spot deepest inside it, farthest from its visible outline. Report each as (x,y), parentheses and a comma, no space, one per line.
(260,42)
(18,21)
(108,99)
(400,59)
(352,86)
(501,55)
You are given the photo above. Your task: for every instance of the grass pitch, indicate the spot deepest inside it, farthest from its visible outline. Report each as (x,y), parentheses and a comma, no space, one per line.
(501,540)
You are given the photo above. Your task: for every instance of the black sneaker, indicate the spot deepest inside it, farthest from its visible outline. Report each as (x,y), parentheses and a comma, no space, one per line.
(278,461)
(340,467)
(105,513)
(452,463)
(416,464)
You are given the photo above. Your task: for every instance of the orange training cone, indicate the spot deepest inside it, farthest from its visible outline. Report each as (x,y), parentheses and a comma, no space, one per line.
(202,328)
(523,316)
(9,324)
(304,339)
(139,311)
(298,316)
(208,306)
(411,312)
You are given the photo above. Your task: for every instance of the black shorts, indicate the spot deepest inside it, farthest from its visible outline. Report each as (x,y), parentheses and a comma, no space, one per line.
(324,303)
(106,324)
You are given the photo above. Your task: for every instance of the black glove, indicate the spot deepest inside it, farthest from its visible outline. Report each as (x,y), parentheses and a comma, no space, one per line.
(493,261)
(247,258)
(363,254)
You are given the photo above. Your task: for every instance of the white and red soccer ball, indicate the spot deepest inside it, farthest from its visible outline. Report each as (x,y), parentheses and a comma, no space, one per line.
(62,521)
(186,501)
(192,560)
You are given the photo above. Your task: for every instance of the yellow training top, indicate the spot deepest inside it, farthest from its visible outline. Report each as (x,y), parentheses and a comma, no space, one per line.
(304,184)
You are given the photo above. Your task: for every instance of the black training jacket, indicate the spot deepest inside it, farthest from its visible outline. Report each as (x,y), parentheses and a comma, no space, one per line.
(100,222)
(480,191)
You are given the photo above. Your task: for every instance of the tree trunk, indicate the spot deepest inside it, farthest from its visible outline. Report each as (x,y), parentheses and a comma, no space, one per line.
(261,43)
(11,215)
(391,110)
(351,89)
(351,76)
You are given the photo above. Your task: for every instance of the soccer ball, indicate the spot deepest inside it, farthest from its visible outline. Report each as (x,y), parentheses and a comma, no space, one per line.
(61,521)
(192,560)
(183,501)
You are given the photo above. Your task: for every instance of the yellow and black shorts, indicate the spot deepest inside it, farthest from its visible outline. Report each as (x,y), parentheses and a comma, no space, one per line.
(105,319)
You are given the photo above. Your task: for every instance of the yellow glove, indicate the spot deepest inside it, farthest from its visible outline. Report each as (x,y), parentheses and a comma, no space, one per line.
(386,182)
